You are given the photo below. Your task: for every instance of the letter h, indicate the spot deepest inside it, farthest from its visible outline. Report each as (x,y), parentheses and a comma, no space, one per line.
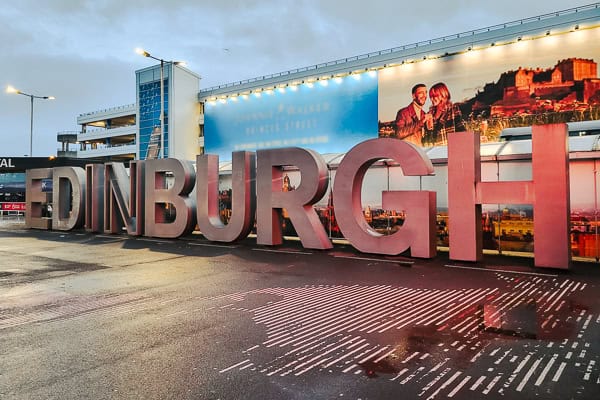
(548,192)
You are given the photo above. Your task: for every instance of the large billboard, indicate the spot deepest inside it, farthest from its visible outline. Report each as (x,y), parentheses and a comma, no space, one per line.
(328,116)
(485,89)
(526,82)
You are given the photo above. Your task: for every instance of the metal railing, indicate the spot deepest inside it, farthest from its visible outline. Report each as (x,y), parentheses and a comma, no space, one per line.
(111,109)
(109,146)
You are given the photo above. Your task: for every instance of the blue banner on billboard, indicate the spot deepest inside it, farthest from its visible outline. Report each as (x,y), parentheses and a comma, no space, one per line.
(328,116)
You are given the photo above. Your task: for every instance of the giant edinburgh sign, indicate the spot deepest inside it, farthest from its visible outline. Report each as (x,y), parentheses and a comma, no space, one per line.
(103,198)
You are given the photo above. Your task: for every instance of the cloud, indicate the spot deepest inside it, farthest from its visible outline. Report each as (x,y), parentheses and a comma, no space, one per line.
(82,51)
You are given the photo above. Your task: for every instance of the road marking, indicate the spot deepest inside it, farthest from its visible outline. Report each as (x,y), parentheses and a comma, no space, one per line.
(176,313)
(445,385)
(542,376)
(528,374)
(114,237)
(377,259)
(559,372)
(477,383)
(246,366)
(235,365)
(212,245)
(459,386)
(367,358)
(491,384)
(385,355)
(283,251)
(399,374)
(153,240)
(500,270)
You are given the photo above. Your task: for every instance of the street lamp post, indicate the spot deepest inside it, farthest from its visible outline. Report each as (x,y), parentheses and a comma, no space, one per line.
(162,107)
(10,89)
(162,94)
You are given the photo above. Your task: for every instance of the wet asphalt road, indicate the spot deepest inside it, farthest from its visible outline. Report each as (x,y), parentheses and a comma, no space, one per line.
(87,316)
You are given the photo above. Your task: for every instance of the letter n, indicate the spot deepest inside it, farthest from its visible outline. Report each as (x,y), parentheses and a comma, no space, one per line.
(123,198)
(548,192)
(94,198)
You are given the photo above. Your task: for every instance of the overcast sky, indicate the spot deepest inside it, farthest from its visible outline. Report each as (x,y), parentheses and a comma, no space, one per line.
(82,52)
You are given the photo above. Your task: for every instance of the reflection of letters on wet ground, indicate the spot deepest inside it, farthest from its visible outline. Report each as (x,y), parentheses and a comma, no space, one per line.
(441,340)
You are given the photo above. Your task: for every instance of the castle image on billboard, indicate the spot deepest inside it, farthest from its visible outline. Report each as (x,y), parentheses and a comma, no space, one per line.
(572,85)
(567,92)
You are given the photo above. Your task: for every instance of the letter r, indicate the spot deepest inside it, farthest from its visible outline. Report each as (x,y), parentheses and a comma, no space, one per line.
(298,203)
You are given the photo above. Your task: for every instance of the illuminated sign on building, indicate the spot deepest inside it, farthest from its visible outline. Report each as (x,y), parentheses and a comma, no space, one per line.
(106,199)
(13,206)
(489,87)
(6,163)
(328,116)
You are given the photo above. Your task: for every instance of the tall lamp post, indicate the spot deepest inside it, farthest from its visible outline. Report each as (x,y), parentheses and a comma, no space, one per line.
(162,93)
(10,89)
